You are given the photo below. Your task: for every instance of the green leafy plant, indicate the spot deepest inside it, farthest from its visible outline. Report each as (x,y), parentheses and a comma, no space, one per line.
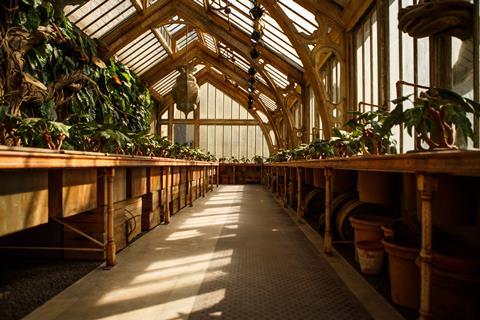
(435,115)
(368,128)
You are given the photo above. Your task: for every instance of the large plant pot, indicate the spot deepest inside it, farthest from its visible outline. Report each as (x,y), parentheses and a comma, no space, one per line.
(354,208)
(370,255)
(368,228)
(455,287)
(404,274)
(375,187)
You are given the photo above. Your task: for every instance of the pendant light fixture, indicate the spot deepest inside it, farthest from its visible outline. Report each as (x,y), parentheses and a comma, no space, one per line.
(185,92)
(256,14)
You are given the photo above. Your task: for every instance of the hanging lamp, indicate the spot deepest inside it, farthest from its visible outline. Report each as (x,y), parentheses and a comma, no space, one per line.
(185,92)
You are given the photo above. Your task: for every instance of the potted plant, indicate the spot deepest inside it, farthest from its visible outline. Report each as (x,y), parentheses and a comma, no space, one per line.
(435,115)
(320,149)
(368,128)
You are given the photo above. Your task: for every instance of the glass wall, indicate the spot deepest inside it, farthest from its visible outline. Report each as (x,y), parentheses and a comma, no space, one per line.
(224,126)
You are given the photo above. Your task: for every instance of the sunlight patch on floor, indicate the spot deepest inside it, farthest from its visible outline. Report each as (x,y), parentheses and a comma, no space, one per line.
(180,235)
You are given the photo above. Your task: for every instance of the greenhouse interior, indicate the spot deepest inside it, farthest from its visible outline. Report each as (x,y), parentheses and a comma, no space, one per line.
(239,159)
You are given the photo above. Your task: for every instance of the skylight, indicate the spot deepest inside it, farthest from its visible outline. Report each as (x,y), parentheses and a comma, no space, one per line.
(142,53)
(98,17)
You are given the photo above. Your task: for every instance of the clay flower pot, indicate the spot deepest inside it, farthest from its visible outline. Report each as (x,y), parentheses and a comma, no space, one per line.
(404,274)
(370,255)
(455,287)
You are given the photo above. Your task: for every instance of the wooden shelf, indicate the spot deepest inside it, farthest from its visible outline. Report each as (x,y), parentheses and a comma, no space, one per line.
(36,158)
(451,162)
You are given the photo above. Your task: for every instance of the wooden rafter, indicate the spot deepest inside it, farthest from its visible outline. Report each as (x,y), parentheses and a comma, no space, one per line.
(207,21)
(304,53)
(204,54)
(162,41)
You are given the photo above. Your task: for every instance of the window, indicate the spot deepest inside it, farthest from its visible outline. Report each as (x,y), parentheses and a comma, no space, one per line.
(216,131)
(409,61)
(366,63)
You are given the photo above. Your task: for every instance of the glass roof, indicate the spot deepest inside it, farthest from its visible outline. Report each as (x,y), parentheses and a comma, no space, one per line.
(143,52)
(97,17)
(273,38)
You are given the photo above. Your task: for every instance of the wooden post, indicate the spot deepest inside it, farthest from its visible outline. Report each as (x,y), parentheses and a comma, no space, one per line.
(111,248)
(167,196)
(234,173)
(190,185)
(217,169)
(205,181)
(285,188)
(299,194)
(327,241)
(426,185)
(276,182)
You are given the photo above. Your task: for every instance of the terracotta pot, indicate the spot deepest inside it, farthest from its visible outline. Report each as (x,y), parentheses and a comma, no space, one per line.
(375,187)
(369,227)
(370,255)
(387,230)
(404,274)
(455,287)
(351,209)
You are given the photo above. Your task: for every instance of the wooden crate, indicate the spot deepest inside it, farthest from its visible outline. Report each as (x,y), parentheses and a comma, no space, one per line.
(151,211)
(176,176)
(23,200)
(72,191)
(92,223)
(136,182)
(183,195)
(127,221)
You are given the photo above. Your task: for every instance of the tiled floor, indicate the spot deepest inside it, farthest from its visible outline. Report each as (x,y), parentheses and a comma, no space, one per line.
(235,255)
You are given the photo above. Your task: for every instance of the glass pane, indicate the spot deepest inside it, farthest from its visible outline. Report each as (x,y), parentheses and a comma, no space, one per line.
(235,110)
(227,108)
(219,141)
(219,104)
(204,137)
(211,101)
(243,141)
(183,134)
(203,101)
(227,146)
(235,141)
(251,141)
(163,130)
(211,140)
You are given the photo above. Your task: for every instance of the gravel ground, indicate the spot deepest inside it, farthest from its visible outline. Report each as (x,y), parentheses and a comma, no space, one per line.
(27,283)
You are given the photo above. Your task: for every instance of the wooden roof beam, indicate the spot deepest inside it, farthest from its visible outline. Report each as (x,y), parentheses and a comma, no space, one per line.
(354,11)
(162,41)
(329,8)
(163,9)
(205,55)
(136,25)
(233,37)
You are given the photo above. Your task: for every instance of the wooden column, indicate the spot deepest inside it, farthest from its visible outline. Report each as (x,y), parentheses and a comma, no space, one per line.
(205,181)
(190,185)
(111,248)
(327,241)
(426,185)
(168,192)
(217,169)
(276,182)
(234,173)
(299,194)
(285,188)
